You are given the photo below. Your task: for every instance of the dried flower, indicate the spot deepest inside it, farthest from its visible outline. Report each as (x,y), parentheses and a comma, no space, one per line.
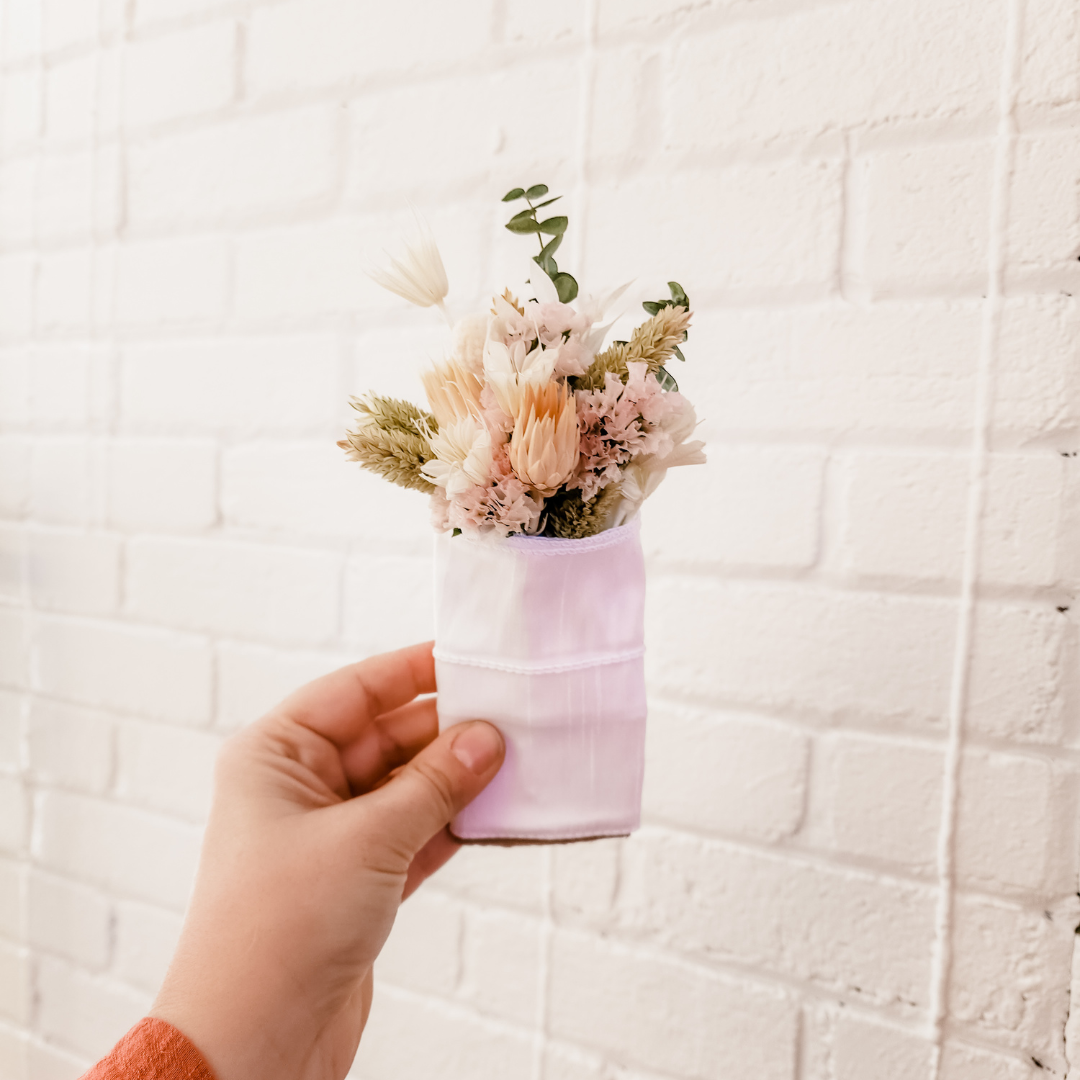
(453,391)
(462,458)
(653,342)
(544,445)
(503,506)
(390,437)
(420,277)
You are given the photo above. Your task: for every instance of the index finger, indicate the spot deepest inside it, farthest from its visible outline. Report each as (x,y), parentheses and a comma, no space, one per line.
(340,705)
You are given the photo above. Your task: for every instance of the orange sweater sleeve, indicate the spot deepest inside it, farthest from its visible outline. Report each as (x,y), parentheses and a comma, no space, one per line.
(152,1050)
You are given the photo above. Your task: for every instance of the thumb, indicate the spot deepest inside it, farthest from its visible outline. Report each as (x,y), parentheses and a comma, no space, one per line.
(422,796)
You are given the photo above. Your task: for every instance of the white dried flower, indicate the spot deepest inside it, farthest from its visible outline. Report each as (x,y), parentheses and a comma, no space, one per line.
(420,276)
(462,459)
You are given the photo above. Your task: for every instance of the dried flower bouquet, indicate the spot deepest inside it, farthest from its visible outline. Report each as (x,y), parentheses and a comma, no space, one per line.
(533,428)
(538,448)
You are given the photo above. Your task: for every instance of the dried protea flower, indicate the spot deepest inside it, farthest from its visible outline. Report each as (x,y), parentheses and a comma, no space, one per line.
(544,444)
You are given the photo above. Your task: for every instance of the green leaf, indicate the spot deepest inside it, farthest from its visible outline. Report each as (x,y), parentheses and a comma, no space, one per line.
(678,352)
(537,191)
(652,307)
(547,202)
(510,196)
(456,532)
(663,377)
(528,212)
(547,264)
(678,295)
(553,226)
(522,225)
(565,286)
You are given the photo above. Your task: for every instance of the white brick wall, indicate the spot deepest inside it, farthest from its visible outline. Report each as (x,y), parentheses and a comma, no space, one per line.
(860,849)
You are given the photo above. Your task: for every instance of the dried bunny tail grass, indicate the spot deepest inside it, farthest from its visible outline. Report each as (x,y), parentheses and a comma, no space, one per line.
(393,414)
(391,438)
(571,518)
(653,341)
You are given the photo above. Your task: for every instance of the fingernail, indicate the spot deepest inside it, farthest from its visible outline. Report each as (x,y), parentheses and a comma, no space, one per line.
(477,747)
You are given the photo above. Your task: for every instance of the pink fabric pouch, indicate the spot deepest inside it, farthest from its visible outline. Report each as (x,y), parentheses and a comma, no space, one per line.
(545,639)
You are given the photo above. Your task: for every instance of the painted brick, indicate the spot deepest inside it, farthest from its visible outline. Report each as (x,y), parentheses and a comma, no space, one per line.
(859,1046)
(929,218)
(67,23)
(150,672)
(66,281)
(14,1053)
(294,487)
(68,386)
(17,184)
(1048,73)
(501,964)
(749,776)
(243,589)
(585,882)
(1006,992)
(13,876)
(77,194)
(389,601)
(69,85)
(48,1062)
(716,230)
(482,153)
(84,1013)
(178,281)
(1015,826)
(14,386)
(1020,682)
(884,798)
(68,919)
(66,480)
(668,1016)
(166,768)
(752,82)
(12,562)
(299,45)
(249,168)
(152,12)
(512,877)
(21,102)
(456,1044)
(1044,227)
(423,952)
(11,724)
(15,457)
(146,937)
(14,648)
(812,922)
(75,572)
(118,848)
(890,370)
(785,648)
(960,1062)
(750,507)
(70,746)
(179,74)
(1037,383)
(167,485)
(253,678)
(247,386)
(15,983)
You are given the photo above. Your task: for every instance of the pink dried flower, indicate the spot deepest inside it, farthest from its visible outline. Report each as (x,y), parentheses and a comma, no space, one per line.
(502,506)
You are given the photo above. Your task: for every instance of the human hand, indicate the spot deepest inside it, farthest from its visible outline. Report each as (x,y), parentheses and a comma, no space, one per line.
(326,814)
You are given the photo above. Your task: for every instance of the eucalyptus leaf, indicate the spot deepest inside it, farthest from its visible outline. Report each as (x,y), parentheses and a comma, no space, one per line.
(553,226)
(565,286)
(522,225)
(663,377)
(537,191)
(678,352)
(678,295)
(652,307)
(510,196)
(456,532)
(547,264)
(551,246)
(547,202)
(528,212)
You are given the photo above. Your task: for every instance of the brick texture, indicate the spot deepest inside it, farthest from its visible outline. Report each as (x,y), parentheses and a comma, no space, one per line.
(859,851)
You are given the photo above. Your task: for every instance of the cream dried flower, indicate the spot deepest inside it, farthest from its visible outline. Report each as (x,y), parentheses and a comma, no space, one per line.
(453,390)
(463,457)
(420,276)
(544,444)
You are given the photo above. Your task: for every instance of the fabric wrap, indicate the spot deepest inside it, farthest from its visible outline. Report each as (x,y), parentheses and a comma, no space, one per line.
(545,639)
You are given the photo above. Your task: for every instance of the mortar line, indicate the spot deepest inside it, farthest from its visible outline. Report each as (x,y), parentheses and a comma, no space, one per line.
(1004,140)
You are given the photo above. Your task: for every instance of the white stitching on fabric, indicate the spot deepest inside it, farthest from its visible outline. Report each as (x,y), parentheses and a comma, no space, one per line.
(549,545)
(539,669)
